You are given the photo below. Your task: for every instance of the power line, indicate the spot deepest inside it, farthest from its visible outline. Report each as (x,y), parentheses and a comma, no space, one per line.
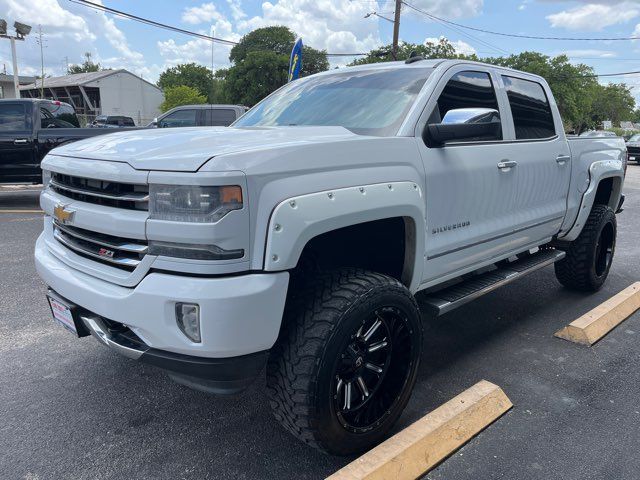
(165,26)
(515,35)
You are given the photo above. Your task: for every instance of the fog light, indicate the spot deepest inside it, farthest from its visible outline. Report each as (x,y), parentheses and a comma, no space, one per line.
(188,320)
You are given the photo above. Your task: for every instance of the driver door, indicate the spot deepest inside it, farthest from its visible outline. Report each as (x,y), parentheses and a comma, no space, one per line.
(470,188)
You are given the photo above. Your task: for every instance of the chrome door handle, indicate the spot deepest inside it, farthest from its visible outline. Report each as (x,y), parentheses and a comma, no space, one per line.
(20,141)
(562,159)
(506,164)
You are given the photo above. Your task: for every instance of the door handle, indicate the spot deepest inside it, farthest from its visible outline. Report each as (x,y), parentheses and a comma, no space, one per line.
(562,159)
(507,164)
(20,141)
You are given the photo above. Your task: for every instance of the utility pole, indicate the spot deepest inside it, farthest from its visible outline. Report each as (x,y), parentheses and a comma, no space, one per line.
(41,43)
(213,73)
(396,29)
(22,31)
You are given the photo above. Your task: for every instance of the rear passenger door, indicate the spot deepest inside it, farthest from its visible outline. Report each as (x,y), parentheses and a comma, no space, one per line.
(541,152)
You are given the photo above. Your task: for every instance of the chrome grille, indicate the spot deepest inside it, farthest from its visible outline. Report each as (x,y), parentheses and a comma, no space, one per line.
(116,251)
(101,192)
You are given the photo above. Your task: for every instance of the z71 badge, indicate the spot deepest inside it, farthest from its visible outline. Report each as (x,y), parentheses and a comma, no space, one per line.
(453,226)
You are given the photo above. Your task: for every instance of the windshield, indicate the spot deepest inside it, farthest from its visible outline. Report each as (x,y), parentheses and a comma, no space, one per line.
(368,102)
(635,138)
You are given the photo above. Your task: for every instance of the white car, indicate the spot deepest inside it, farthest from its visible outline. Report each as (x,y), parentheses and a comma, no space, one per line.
(299,237)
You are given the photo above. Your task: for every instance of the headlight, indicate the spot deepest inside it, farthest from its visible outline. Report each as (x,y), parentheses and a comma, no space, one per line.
(193,203)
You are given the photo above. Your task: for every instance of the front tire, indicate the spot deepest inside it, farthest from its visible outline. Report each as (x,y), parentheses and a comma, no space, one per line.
(346,361)
(589,257)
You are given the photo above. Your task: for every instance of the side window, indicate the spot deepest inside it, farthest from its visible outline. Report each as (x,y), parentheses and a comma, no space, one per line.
(220,117)
(12,117)
(181,118)
(468,99)
(128,122)
(530,109)
(58,116)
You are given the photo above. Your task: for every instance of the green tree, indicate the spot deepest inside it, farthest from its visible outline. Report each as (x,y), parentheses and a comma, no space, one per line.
(85,67)
(260,62)
(572,86)
(181,95)
(440,49)
(613,102)
(192,75)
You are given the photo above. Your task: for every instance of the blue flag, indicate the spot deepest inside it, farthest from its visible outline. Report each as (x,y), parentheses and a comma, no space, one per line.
(295,63)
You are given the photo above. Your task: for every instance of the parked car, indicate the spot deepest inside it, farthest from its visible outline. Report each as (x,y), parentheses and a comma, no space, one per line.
(112,121)
(199,116)
(633,148)
(29,129)
(299,237)
(598,133)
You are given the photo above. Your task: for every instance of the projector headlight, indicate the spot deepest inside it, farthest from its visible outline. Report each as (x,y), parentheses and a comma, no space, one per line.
(193,203)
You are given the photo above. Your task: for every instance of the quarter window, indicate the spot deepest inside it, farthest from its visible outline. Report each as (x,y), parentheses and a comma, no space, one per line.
(532,117)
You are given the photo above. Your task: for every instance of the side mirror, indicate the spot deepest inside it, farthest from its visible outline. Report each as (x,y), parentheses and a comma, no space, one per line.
(460,124)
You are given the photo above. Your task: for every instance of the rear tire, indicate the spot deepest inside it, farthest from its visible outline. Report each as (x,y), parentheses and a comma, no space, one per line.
(345,331)
(589,257)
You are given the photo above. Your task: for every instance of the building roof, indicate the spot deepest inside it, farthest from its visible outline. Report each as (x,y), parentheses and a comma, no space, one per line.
(78,79)
(22,80)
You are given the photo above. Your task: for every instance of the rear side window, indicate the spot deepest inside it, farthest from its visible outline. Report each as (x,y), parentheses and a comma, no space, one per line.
(532,117)
(13,117)
(54,115)
(220,117)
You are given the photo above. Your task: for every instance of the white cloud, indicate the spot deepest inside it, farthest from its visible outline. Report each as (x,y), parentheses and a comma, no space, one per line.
(595,16)
(335,25)
(205,13)
(460,46)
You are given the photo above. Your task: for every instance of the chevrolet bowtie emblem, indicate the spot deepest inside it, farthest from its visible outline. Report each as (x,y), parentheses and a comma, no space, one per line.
(62,213)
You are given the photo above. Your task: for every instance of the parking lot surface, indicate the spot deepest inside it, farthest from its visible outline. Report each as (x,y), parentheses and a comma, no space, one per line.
(70,408)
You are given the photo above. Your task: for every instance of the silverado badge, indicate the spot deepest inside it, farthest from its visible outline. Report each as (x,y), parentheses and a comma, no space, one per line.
(62,213)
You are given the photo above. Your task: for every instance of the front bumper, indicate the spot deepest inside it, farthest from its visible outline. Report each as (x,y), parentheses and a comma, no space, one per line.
(240,315)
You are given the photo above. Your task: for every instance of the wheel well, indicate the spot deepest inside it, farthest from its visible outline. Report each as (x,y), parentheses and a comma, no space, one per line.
(384,246)
(603,194)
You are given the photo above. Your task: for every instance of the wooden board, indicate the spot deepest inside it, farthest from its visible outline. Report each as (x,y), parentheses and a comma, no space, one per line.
(594,325)
(421,446)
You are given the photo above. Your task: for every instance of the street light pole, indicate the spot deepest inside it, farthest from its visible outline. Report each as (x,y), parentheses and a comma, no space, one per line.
(22,31)
(16,80)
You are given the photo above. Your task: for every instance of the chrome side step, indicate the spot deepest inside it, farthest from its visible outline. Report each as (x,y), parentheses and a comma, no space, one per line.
(449,298)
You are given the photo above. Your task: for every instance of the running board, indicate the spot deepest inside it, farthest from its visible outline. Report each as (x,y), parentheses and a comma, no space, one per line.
(449,298)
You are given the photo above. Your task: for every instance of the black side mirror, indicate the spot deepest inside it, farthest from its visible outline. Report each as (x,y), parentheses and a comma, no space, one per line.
(470,124)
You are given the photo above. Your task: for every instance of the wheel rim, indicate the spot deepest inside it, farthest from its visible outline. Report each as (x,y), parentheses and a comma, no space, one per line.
(604,250)
(373,370)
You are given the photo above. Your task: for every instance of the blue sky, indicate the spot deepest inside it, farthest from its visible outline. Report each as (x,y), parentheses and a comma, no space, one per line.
(336,25)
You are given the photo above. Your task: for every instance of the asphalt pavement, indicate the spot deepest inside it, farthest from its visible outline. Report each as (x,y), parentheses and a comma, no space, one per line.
(72,409)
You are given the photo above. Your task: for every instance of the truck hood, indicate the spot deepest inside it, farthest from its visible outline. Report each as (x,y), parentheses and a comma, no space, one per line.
(187,149)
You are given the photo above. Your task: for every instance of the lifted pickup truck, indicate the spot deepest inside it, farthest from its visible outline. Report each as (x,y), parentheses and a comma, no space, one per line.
(29,129)
(299,237)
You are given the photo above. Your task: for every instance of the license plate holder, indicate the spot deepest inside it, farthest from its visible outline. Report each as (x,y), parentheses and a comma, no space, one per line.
(65,314)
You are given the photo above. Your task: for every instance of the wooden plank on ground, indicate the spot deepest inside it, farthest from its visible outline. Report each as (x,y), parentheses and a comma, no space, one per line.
(421,446)
(594,325)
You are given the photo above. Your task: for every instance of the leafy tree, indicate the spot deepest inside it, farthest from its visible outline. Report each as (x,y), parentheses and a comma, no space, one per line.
(440,49)
(192,75)
(260,62)
(613,102)
(181,95)
(86,67)
(259,74)
(572,86)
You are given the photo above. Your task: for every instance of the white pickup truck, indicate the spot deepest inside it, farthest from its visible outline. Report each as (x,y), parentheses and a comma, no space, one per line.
(300,237)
